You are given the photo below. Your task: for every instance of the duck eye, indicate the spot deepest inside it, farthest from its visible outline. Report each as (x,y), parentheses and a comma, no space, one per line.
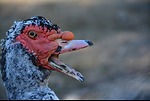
(32,34)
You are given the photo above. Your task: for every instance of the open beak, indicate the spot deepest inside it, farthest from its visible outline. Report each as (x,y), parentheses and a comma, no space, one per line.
(67,46)
(47,50)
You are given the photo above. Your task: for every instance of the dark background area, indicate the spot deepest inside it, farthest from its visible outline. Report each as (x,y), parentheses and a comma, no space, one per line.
(117,66)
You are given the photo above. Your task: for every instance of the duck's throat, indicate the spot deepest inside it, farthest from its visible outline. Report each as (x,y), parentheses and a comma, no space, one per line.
(24,80)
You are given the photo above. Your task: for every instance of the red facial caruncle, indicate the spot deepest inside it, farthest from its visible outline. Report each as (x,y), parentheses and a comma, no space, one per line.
(46,45)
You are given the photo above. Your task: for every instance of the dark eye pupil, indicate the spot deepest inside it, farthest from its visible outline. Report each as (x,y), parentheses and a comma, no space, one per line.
(32,34)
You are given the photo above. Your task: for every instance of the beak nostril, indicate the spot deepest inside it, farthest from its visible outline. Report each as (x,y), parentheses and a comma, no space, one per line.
(64,42)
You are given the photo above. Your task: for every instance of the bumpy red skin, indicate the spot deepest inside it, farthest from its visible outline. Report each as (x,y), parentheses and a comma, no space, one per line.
(44,44)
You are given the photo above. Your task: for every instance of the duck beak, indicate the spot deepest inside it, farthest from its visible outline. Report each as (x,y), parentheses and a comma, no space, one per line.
(73,45)
(64,47)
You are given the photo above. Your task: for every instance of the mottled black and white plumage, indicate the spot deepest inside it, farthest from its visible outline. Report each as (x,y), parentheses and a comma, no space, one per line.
(23,78)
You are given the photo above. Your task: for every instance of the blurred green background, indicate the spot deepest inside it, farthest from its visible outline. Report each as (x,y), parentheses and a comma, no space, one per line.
(117,66)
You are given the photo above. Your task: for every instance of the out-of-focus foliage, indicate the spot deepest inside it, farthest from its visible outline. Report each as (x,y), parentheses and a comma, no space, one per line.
(117,66)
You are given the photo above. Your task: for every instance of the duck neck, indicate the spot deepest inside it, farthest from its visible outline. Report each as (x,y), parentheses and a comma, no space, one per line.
(22,79)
